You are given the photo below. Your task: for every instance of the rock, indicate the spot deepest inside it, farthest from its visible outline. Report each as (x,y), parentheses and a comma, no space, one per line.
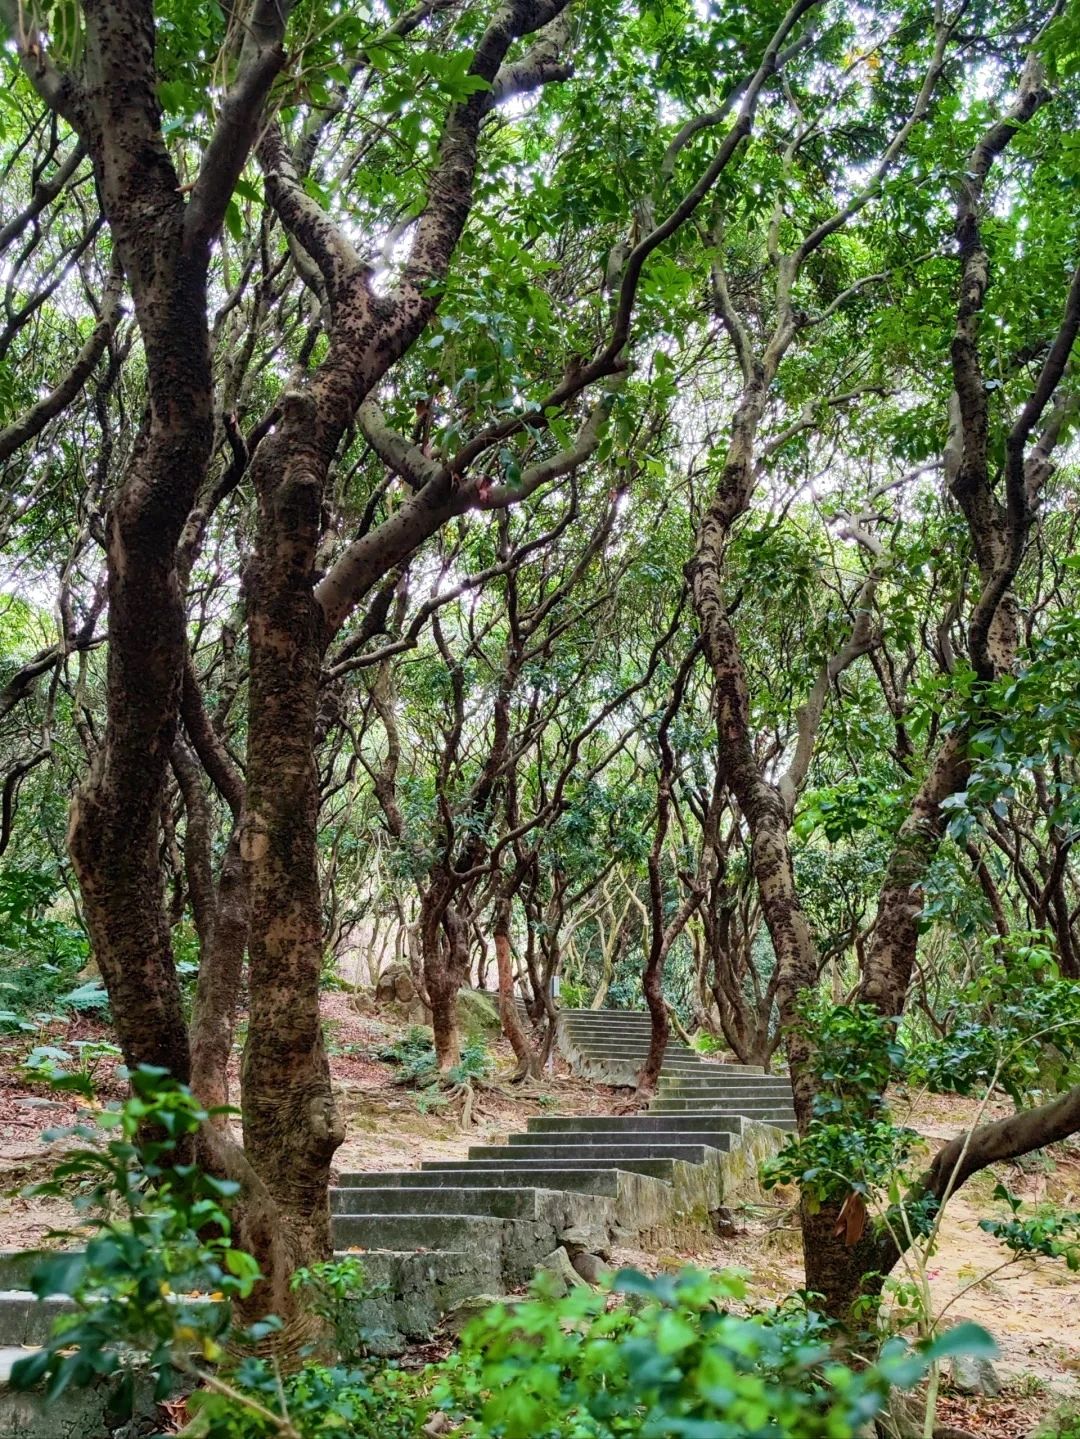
(395,986)
(477,1015)
(723,1222)
(971,1374)
(591,1267)
(558,1272)
(466,1310)
(586,1239)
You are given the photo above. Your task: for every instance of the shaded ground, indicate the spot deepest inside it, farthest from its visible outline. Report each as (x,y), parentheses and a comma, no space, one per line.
(1032,1310)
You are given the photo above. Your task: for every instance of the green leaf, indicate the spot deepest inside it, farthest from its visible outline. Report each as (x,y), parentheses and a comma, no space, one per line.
(965,1338)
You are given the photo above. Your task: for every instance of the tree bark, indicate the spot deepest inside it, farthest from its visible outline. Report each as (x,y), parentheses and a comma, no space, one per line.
(291,1123)
(528,1060)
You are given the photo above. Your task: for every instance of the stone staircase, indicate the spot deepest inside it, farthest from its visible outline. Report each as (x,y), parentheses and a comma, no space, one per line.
(610,1046)
(451,1230)
(637,1175)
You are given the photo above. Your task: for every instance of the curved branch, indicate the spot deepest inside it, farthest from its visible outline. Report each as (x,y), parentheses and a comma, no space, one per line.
(38,416)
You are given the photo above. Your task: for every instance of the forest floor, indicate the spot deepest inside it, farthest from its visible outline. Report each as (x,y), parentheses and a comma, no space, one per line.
(1031,1309)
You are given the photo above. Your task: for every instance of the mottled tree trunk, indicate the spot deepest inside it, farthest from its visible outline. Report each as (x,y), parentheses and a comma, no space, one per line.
(528,1060)
(114,828)
(291,1123)
(213,1016)
(660,1028)
(444,944)
(891,956)
(442,992)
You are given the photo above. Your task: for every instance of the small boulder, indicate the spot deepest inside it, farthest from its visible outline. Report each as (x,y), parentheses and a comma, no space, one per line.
(972,1374)
(586,1239)
(477,1014)
(465,1310)
(591,1267)
(395,985)
(559,1274)
(723,1222)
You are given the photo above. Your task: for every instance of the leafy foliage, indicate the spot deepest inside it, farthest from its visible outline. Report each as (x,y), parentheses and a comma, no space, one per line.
(852,1144)
(159,1248)
(1016,1025)
(1050,1233)
(40,956)
(414,1053)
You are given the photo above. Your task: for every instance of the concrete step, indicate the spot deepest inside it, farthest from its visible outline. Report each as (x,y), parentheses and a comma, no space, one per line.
(735,1091)
(732,1104)
(17,1265)
(639,1052)
(710,1100)
(464,1232)
(26,1319)
(630,1123)
(532,1166)
(477,1176)
(635,1052)
(640,1015)
(780,1120)
(746,1107)
(669,1107)
(691,1085)
(603,1034)
(682,1063)
(675,1132)
(749,1110)
(608,1154)
(496,1203)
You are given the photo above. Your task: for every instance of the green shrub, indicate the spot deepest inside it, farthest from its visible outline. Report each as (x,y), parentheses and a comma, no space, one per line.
(1064,1424)
(159,1243)
(40,957)
(705,1043)
(670,1358)
(852,1144)
(334,1291)
(414,1054)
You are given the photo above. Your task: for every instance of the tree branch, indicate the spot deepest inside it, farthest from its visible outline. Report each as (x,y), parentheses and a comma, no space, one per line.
(262,55)
(38,415)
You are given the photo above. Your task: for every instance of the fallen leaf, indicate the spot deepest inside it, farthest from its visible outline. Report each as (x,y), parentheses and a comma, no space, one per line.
(851,1222)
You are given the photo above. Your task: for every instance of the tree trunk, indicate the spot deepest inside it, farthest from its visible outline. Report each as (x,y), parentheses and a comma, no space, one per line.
(291,1123)
(213,1016)
(114,826)
(444,944)
(660,1032)
(528,1060)
(891,956)
(443,991)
